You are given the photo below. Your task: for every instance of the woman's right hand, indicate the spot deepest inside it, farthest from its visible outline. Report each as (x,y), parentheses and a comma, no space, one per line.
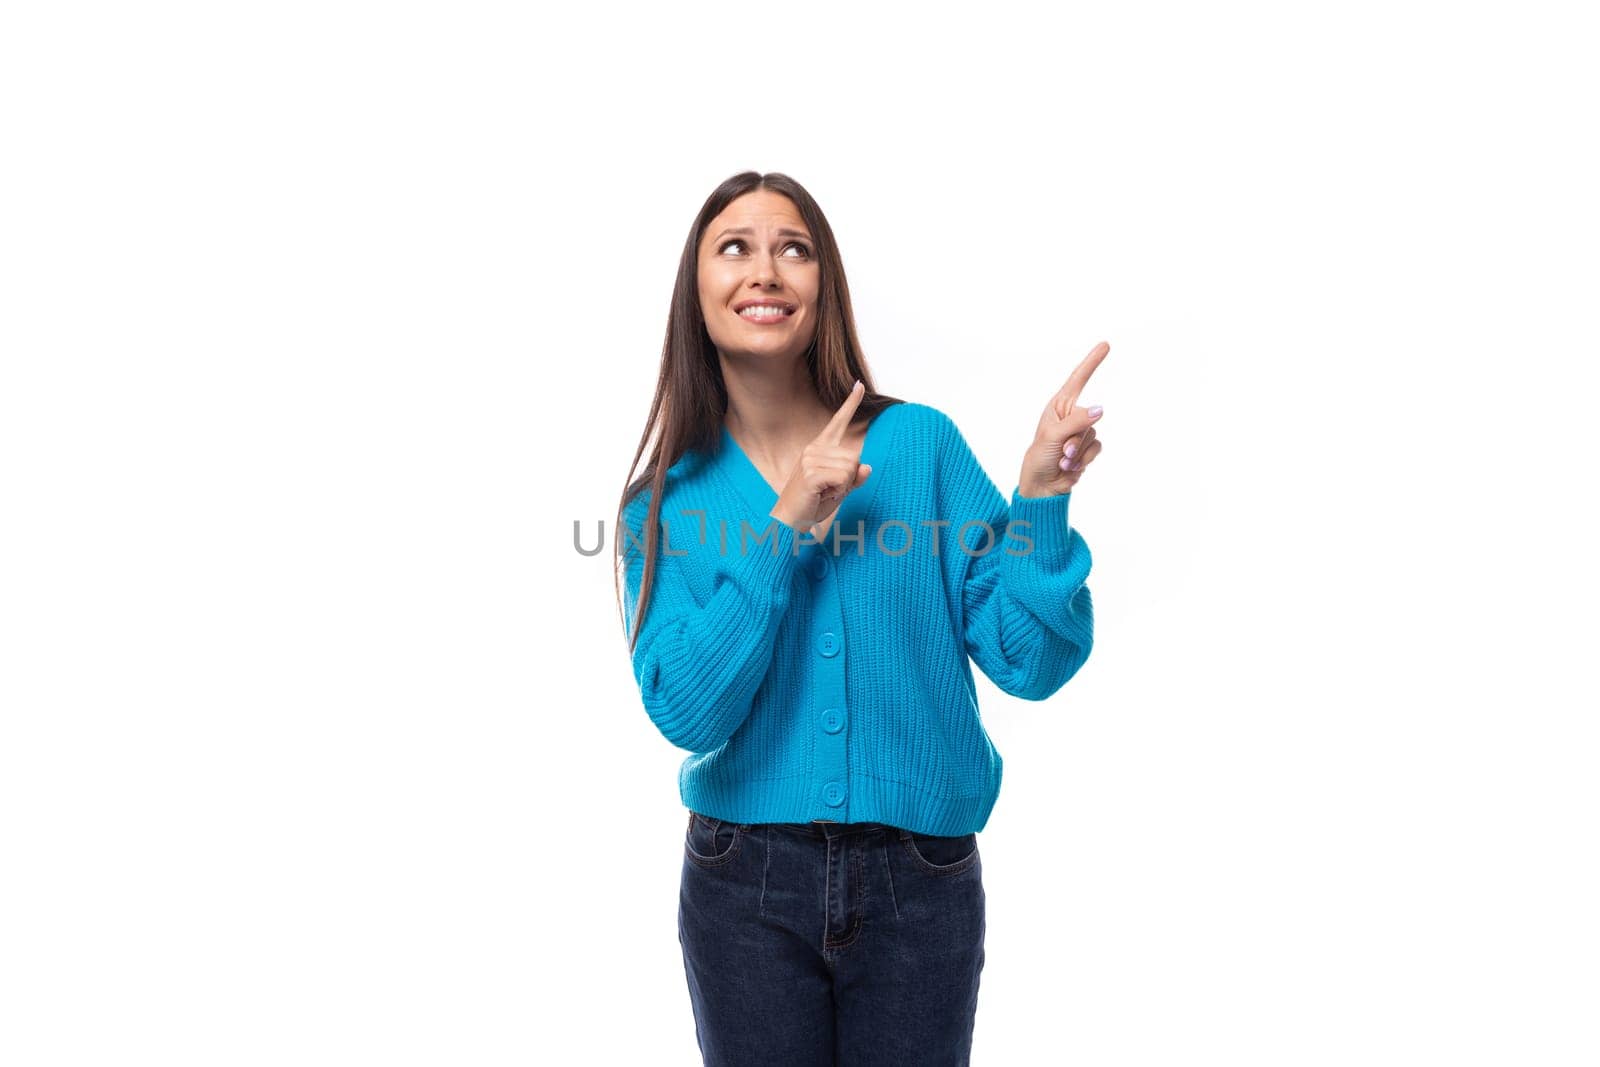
(826,471)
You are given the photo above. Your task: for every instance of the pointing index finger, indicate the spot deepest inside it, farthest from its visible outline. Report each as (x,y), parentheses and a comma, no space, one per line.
(1067,396)
(840,422)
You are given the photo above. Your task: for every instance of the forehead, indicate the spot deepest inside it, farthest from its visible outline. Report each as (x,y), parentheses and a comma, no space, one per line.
(759,209)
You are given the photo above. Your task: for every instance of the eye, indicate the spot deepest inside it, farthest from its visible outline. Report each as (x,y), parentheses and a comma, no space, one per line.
(805,253)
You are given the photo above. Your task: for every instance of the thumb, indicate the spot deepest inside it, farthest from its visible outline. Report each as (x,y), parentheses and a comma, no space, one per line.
(862,471)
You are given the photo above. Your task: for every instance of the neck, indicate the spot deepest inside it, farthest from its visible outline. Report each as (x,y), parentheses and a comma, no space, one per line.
(772,406)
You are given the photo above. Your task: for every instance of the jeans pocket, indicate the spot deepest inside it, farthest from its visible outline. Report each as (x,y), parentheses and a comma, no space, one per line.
(937,854)
(711,842)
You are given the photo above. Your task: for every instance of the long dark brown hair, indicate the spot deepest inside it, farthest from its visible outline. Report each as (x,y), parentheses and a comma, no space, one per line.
(691,398)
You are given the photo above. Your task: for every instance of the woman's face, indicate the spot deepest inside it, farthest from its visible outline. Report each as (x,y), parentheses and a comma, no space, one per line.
(758,253)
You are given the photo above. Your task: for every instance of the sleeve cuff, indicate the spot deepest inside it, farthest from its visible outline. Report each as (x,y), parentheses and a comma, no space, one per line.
(1049,580)
(1047,525)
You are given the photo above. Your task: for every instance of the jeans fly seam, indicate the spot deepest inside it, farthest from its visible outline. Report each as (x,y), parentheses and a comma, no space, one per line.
(766,862)
(854,862)
(888,869)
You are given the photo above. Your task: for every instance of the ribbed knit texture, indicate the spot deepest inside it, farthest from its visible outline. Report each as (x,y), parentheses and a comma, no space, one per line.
(833,681)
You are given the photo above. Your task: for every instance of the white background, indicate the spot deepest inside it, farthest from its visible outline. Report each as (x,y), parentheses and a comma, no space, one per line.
(323,323)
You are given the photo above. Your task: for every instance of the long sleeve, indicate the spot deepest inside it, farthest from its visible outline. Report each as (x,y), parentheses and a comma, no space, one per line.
(699,664)
(1028,619)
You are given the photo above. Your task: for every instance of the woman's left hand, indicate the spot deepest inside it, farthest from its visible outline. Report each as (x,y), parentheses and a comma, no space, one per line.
(1064,443)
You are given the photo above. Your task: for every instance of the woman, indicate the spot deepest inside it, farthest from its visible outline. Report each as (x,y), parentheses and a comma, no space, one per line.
(809,566)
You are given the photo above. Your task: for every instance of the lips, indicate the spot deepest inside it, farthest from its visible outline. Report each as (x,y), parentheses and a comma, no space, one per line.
(781,310)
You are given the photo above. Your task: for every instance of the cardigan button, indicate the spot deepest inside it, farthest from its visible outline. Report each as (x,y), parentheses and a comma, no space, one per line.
(828,644)
(819,566)
(833,793)
(832,720)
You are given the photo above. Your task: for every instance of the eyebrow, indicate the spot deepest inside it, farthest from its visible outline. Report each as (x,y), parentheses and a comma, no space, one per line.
(745,231)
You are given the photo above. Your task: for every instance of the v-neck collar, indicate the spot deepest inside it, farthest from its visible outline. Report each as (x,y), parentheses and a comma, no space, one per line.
(760,495)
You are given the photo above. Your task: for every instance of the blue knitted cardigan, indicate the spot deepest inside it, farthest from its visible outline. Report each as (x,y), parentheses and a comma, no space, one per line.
(833,681)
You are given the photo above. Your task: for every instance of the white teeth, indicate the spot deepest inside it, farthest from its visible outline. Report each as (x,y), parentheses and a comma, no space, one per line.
(761,311)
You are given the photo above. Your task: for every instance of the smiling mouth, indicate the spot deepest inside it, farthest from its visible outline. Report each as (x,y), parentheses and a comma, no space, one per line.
(765,313)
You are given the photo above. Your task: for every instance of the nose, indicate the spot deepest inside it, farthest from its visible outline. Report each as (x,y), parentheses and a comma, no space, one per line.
(764,270)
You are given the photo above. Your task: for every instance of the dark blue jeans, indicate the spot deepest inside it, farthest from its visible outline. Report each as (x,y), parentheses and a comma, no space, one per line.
(830,943)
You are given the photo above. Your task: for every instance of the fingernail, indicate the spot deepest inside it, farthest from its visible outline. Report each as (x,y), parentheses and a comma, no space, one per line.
(1094,412)
(1072,446)
(1066,464)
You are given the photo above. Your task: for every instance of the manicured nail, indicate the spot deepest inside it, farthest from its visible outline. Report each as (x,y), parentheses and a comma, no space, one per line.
(1072,446)
(1066,464)
(1094,412)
